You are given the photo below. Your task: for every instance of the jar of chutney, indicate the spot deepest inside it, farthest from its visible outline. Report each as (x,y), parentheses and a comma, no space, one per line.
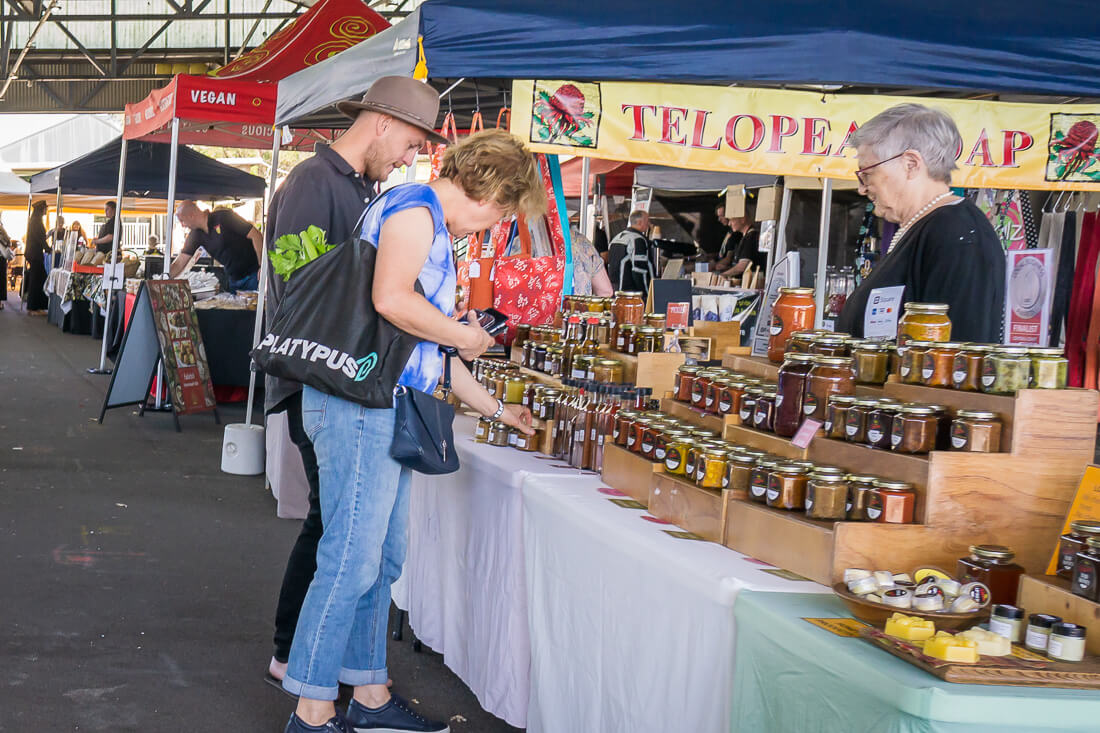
(828,376)
(747,413)
(1006,370)
(938,367)
(792,381)
(685,379)
(794,310)
(880,423)
(764,413)
(872,362)
(787,487)
(1086,571)
(860,490)
(826,494)
(967,373)
(1049,368)
(855,421)
(924,322)
(836,416)
(892,502)
(760,478)
(915,429)
(911,363)
(977,431)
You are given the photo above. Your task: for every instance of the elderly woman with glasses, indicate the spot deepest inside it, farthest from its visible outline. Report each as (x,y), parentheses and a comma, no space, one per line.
(945,250)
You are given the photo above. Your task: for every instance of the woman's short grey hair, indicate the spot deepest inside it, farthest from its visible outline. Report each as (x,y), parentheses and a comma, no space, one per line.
(931,132)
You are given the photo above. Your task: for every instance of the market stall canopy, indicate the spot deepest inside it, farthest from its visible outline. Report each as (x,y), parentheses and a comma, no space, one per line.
(13,184)
(147,163)
(619,176)
(680,181)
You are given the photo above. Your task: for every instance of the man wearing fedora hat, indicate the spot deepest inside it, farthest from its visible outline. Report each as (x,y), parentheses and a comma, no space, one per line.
(330,190)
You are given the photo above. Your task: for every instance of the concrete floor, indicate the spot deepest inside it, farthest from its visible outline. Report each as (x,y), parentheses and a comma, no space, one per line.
(137,581)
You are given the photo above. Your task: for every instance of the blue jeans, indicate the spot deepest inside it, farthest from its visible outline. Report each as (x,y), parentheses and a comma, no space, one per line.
(250,282)
(341,633)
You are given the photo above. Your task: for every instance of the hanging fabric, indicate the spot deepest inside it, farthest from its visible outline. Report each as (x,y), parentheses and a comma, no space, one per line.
(1031,231)
(1080,305)
(1063,275)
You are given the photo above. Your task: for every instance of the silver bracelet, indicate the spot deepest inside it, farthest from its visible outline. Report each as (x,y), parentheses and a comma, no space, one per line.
(500,411)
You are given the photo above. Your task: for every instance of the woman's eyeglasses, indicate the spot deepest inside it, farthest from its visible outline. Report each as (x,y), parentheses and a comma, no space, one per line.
(860,172)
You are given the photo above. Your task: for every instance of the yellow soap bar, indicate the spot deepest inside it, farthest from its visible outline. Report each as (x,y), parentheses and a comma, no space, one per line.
(951,648)
(909,628)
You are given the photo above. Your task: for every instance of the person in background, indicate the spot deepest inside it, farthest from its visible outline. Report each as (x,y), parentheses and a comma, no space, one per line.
(105,241)
(228,238)
(589,273)
(34,258)
(6,243)
(746,251)
(56,235)
(945,250)
(599,240)
(152,245)
(81,237)
(631,256)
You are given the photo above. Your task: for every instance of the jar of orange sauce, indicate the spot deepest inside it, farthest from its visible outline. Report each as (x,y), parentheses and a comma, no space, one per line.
(794,310)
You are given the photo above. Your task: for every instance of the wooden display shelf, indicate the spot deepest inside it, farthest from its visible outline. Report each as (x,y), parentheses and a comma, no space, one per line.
(1051,594)
(652,370)
(785,539)
(540,377)
(774,444)
(761,368)
(690,507)
(629,473)
(686,412)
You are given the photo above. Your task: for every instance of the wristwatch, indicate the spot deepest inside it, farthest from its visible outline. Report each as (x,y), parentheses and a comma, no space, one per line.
(500,411)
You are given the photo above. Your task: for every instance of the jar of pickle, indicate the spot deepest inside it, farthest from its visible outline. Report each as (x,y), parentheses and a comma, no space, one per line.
(1086,571)
(967,374)
(880,423)
(672,434)
(856,420)
(872,362)
(760,478)
(831,345)
(656,320)
(828,376)
(787,486)
(685,379)
(924,322)
(915,429)
(703,447)
(747,413)
(911,361)
(793,376)
(1006,370)
(624,337)
(739,467)
(729,399)
(978,431)
(676,452)
(648,339)
(860,490)
(826,494)
(581,364)
(892,502)
(606,371)
(992,565)
(628,307)
(1049,368)
(1073,542)
(836,416)
(714,468)
(938,368)
(764,413)
(794,310)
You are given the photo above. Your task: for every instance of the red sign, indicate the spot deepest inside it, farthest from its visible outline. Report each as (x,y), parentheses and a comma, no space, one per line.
(676,315)
(182,352)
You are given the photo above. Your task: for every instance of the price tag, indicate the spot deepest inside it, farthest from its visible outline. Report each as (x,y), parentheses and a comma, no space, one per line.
(475,270)
(806,433)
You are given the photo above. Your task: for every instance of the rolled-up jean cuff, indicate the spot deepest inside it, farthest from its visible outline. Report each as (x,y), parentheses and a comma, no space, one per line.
(312,692)
(357,677)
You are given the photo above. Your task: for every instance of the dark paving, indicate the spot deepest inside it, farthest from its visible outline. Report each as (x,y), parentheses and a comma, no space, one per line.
(137,581)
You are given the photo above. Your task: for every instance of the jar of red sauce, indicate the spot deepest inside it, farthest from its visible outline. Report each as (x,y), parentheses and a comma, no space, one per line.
(685,380)
(794,310)
(892,502)
(793,377)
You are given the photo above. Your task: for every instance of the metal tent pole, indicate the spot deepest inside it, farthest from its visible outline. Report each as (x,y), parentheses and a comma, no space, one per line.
(258,329)
(102,369)
(779,247)
(582,217)
(823,249)
(23,279)
(172,171)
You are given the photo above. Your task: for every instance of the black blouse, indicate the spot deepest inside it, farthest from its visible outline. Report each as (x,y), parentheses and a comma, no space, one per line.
(952,255)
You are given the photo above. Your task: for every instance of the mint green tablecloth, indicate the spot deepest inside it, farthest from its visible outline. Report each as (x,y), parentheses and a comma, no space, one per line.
(791,676)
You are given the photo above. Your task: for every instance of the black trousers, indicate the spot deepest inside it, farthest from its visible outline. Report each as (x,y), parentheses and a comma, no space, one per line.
(303,557)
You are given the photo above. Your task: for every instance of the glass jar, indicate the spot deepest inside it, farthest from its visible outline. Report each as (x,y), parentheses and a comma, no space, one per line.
(764,413)
(872,361)
(831,345)
(739,471)
(836,416)
(624,424)
(637,431)
(606,371)
(794,310)
(1073,542)
(993,566)
(498,434)
(624,337)
(596,304)
(523,333)
(526,443)
(924,322)
(828,376)
(1037,636)
(714,468)
(892,502)
(855,420)
(967,372)
(656,320)
(581,364)
(693,458)
(670,436)
(793,376)
(880,424)
(628,307)
(648,339)
(787,486)
(553,360)
(1008,621)
(800,342)
(1049,368)
(1086,571)
(978,431)
(481,430)
(699,387)
(860,490)
(1067,642)
(685,378)
(938,365)
(514,389)
(649,438)
(1006,370)
(676,453)
(714,390)
(747,413)
(911,361)
(915,429)
(760,478)
(826,494)
(699,461)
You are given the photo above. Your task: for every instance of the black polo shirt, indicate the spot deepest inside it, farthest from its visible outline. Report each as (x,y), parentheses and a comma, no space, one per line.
(323,191)
(108,229)
(226,239)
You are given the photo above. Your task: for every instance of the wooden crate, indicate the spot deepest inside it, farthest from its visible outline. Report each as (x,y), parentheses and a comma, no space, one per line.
(723,336)
(1051,594)
(629,472)
(654,370)
(698,510)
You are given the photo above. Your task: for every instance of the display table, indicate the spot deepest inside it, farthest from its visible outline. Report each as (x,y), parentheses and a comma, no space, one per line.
(793,676)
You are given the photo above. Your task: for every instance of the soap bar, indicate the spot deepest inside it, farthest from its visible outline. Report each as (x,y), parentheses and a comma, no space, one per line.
(854,574)
(951,648)
(910,628)
(884,578)
(989,644)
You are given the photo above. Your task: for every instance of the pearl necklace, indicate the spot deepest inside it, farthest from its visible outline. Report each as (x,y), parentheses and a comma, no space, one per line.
(905,227)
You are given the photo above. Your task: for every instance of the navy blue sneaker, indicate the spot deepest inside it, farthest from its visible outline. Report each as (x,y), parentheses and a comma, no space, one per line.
(336,725)
(394,717)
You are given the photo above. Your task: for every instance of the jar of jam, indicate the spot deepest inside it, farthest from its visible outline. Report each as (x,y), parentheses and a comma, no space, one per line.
(880,423)
(760,478)
(597,304)
(787,486)
(729,398)
(938,369)
(831,345)
(872,362)
(860,490)
(481,430)
(836,416)
(911,363)
(856,419)
(915,429)
(976,430)
(800,342)
(793,376)
(828,376)
(739,467)
(553,360)
(747,413)
(514,389)
(892,502)
(967,374)
(714,468)
(924,322)
(993,566)
(693,458)
(1073,542)
(714,390)
(656,320)
(649,438)
(1086,571)
(764,413)
(826,494)
(637,431)
(527,443)
(794,310)
(606,371)
(676,453)
(685,378)
(670,436)
(1049,368)
(628,307)
(624,425)
(1006,370)
(624,337)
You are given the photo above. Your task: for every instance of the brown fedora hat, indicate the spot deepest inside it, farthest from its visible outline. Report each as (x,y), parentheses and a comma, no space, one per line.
(402,97)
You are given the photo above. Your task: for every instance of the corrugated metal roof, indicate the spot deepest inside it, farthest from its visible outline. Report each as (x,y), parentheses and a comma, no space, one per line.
(61,143)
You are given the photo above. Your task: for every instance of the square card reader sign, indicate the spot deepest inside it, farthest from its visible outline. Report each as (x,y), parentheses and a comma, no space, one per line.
(880,319)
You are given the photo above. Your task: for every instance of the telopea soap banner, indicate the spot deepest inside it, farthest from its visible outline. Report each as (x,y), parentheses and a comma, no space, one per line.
(1005,145)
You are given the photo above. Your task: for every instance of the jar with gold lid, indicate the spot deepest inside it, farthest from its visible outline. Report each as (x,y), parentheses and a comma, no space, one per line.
(800,342)
(967,373)
(546,403)
(1006,370)
(685,379)
(628,307)
(526,443)
(672,434)
(637,430)
(977,431)
(856,419)
(828,376)
(699,387)
(892,502)
(656,320)
(792,381)
(1073,542)
(915,429)
(911,361)
(860,489)
(794,310)
(676,453)
(624,337)
(514,389)
(624,424)
(498,434)
(606,371)
(880,423)
(1049,368)
(747,413)
(760,478)
(739,467)
(648,339)
(872,362)
(1085,581)
(714,468)
(729,398)
(924,322)
(764,412)
(702,447)
(787,486)
(581,364)
(836,416)
(481,430)
(993,566)
(833,345)
(938,367)
(554,359)
(826,493)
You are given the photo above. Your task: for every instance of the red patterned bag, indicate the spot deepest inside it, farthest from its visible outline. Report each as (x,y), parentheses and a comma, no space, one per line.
(527,289)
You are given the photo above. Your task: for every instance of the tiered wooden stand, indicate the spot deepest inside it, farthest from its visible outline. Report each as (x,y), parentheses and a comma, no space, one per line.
(1050,594)
(1018,498)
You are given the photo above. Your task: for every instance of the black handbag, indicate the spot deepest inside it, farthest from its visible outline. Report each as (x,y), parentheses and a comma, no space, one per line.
(423,436)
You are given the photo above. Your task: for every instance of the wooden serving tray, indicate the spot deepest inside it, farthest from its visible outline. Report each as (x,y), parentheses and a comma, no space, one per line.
(1021,669)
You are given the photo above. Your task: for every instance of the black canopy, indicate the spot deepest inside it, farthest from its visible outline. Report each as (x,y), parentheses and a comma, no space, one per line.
(147,163)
